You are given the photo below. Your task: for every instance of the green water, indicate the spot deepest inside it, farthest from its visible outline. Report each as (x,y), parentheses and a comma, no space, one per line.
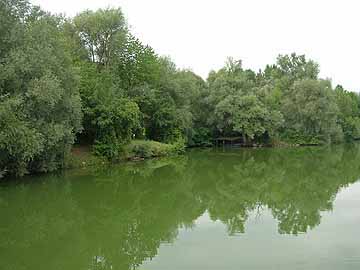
(210,209)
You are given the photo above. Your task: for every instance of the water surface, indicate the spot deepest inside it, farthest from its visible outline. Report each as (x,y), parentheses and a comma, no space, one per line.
(210,209)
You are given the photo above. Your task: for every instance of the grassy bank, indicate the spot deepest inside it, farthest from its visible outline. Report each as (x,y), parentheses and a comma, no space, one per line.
(83,156)
(139,149)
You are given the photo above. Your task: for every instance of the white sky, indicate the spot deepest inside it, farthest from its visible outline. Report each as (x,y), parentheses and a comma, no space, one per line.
(200,34)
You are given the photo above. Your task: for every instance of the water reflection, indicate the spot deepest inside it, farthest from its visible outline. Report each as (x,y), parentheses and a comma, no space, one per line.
(117,218)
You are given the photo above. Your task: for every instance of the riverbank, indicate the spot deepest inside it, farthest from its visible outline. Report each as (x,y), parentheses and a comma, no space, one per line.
(83,156)
(137,150)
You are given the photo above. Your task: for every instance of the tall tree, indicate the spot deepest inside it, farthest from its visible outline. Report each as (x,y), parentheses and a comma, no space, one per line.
(349,113)
(311,113)
(101,32)
(39,100)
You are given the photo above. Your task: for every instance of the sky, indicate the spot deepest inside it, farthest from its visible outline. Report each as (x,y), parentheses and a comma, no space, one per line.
(201,34)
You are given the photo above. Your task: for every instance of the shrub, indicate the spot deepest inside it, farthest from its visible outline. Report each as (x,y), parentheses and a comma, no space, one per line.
(149,149)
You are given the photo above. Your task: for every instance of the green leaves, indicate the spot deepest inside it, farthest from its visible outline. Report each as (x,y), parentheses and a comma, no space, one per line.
(55,70)
(44,92)
(310,111)
(245,115)
(19,141)
(349,114)
(240,107)
(114,124)
(101,32)
(40,108)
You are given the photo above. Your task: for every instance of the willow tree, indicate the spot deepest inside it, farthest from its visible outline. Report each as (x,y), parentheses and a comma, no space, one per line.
(40,110)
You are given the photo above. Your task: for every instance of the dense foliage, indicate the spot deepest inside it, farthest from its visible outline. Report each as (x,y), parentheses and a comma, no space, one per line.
(40,109)
(60,76)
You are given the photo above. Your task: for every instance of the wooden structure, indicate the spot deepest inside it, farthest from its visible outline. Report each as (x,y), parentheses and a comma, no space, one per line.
(233,141)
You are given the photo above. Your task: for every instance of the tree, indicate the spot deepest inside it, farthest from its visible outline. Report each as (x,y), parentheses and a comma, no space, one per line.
(247,116)
(115,121)
(101,32)
(110,118)
(239,107)
(348,117)
(297,67)
(310,113)
(290,68)
(287,70)
(162,120)
(58,74)
(136,64)
(40,103)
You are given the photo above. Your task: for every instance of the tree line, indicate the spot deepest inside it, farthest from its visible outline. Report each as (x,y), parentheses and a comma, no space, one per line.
(89,80)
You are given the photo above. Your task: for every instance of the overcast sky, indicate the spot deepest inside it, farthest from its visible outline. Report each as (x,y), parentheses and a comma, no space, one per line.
(200,34)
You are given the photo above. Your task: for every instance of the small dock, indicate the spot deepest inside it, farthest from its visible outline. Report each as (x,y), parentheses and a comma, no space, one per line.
(233,141)
(237,142)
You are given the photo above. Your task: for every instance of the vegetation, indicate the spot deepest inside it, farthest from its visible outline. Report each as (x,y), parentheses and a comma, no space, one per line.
(148,149)
(88,80)
(40,108)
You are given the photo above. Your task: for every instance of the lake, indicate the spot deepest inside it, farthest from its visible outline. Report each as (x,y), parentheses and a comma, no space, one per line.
(220,208)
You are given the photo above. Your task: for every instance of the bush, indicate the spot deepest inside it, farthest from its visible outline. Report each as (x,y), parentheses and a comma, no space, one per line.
(201,137)
(149,149)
